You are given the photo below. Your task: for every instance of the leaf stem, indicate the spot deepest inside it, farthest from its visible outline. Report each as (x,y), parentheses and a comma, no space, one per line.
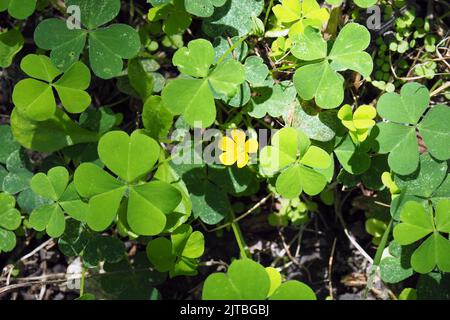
(239,237)
(83,275)
(230,49)
(269,8)
(377,259)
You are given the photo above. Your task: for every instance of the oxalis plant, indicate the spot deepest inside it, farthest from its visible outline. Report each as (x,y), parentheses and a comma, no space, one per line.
(215,149)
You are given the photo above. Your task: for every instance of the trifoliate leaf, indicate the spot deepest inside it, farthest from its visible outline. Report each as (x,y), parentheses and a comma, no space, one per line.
(107,45)
(319,79)
(194,97)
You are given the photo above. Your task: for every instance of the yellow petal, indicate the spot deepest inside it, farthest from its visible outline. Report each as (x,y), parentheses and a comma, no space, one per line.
(238,136)
(242,159)
(227,144)
(228,158)
(251,146)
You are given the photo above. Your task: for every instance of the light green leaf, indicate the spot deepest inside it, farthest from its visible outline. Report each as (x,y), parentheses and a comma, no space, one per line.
(226,77)
(7,240)
(407,107)
(443,216)
(195,59)
(317,126)
(316,158)
(256,70)
(140,79)
(148,206)
(309,46)
(65,44)
(130,157)
(416,224)
(435,132)
(234,18)
(39,67)
(10,217)
(319,80)
(156,118)
(49,218)
(202,8)
(11,42)
(50,135)
(289,183)
(71,86)
(19,9)
(193,98)
(96,14)
(108,46)
(293,290)
(104,191)
(401,143)
(34,99)
(245,280)
(8,143)
(364,3)
(273,99)
(348,50)
(431,253)
(51,185)
(425,180)
(353,159)
(159,252)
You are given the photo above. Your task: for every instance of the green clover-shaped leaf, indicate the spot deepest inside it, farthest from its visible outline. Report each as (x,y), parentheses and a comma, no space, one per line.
(51,135)
(234,18)
(405,114)
(256,71)
(365,3)
(202,8)
(297,15)
(430,182)
(353,158)
(418,223)
(273,99)
(62,197)
(248,280)
(178,255)
(173,16)
(19,9)
(19,173)
(359,122)
(8,143)
(194,96)
(93,248)
(107,45)
(34,96)
(320,78)
(11,42)
(301,164)
(130,158)
(10,220)
(396,266)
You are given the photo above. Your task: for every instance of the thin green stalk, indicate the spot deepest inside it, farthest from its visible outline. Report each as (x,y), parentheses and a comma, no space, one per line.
(377,259)
(269,8)
(239,237)
(230,49)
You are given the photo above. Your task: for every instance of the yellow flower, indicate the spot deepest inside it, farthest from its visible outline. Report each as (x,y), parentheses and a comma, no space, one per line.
(236,149)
